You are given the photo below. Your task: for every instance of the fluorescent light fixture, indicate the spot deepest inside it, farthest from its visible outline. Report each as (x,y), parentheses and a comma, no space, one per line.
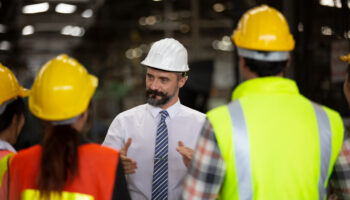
(28,30)
(331,3)
(75,31)
(35,8)
(5,45)
(87,13)
(3,28)
(65,8)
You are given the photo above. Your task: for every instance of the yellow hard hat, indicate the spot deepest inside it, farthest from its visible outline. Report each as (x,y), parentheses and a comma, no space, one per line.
(9,87)
(345,58)
(263,28)
(61,90)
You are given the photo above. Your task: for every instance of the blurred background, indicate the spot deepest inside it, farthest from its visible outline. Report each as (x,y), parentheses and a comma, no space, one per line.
(111,37)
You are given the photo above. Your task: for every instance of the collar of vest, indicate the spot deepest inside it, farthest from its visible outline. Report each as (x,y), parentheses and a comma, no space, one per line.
(265,85)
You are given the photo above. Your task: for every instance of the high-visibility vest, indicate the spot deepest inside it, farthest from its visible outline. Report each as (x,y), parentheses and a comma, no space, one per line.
(276,144)
(4,161)
(97,167)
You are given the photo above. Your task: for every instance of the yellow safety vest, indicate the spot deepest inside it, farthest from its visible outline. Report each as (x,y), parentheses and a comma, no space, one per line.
(276,143)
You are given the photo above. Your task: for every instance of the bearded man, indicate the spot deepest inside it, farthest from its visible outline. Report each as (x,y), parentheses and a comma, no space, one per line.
(156,139)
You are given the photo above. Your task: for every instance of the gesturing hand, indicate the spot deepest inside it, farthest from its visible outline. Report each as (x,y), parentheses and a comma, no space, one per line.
(129,165)
(186,153)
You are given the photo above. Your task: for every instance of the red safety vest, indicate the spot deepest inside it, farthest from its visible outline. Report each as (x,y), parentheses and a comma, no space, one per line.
(4,156)
(97,167)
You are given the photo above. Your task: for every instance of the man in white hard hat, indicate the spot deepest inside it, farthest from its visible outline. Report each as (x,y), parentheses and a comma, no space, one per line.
(156,139)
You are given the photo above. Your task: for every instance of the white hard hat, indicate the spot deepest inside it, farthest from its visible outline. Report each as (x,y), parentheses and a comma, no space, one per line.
(167,54)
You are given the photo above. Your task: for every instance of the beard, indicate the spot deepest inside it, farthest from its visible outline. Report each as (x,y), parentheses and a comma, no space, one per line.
(151,97)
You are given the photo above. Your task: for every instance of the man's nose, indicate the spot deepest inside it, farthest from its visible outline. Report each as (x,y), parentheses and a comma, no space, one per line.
(154,85)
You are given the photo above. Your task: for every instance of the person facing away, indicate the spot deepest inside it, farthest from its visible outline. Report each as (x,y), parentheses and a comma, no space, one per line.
(269,142)
(65,165)
(12,111)
(156,139)
(340,179)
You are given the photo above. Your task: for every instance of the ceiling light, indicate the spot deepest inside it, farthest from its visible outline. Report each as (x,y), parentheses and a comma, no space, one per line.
(325,30)
(142,21)
(184,28)
(75,31)
(134,53)
(3,28)
(65,8)
(28,30)
(218,7)
(300,27)
(331,3)
(157,0)
(35,8)
(151,20)
(5,45)
(347,34)
(87,13)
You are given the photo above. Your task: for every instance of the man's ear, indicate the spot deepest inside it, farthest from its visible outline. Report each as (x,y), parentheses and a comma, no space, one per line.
(182,81)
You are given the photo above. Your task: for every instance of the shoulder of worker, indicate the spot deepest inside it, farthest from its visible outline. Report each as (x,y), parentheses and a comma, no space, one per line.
(334,117)
(93,148)
(189,112)
(132,112)
(29,155)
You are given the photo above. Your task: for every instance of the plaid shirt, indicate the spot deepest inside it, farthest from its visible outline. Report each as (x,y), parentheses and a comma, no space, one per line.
(207,171)
(340,179)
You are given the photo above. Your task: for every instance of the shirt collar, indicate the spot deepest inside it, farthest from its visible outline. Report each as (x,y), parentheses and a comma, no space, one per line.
(7,146)
(172,110)
(265,85)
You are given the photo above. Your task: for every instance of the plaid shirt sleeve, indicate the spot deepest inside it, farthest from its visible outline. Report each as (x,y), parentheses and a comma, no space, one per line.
(340,179)
(207,170)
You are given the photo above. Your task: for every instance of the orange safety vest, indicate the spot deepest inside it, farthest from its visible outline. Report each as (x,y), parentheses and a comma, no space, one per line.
(4,157)
(97,167)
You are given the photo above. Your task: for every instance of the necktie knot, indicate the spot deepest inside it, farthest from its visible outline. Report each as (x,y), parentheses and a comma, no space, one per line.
(163,115)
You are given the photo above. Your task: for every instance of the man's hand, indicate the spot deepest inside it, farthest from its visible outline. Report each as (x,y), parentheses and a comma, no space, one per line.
(129,165)
(186,153)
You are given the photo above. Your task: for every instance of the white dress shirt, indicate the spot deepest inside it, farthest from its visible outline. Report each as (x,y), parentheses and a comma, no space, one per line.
(6,146)
(140,123)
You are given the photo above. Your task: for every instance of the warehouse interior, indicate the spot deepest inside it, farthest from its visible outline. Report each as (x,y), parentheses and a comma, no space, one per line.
(111,38)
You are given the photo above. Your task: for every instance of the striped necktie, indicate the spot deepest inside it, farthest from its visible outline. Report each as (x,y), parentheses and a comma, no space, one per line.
(160,171)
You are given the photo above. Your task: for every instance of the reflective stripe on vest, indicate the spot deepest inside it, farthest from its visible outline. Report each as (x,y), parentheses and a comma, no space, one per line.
(242,150)
(4,166)
(325,137)
(30,194)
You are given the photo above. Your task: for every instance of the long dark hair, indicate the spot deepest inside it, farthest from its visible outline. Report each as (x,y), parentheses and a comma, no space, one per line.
(16,107)
(59,161)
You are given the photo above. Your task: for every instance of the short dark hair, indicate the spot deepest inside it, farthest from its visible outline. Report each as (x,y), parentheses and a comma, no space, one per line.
(265,68)
(16,107)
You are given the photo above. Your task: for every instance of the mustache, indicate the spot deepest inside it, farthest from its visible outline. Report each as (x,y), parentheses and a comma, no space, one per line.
(151,92)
